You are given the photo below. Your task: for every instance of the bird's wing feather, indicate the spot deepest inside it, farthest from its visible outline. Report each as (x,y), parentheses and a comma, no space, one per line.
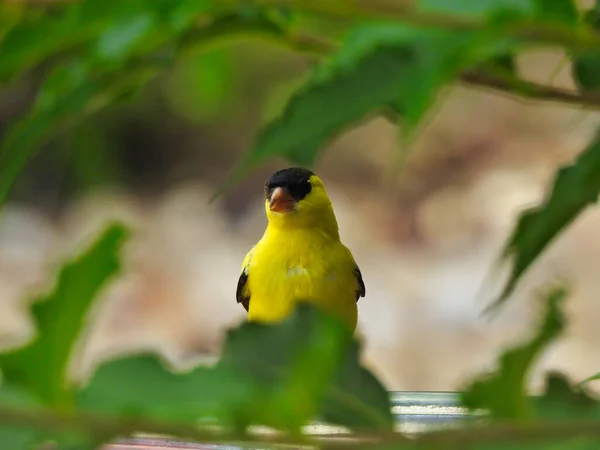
(361,284)
(242,293)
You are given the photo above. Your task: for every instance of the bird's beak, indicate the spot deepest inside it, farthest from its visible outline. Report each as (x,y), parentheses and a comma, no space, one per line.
(281,201)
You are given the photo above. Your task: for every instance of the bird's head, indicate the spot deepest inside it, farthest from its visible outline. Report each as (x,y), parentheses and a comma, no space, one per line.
(296,198)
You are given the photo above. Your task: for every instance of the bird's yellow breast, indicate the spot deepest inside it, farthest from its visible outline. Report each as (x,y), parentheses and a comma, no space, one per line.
(301,264)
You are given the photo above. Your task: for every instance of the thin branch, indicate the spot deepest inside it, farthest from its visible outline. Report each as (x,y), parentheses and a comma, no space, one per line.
(508,85)
(531,30)
(535,91)
(397,11)
(102,426)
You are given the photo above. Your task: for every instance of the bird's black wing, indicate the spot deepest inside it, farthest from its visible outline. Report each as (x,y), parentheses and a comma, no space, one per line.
(240,294)
(361,291)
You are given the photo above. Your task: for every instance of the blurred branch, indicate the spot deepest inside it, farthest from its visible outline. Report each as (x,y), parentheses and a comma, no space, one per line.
(503,83)
(405,11)
(97,426)
(388,10)
(517,87)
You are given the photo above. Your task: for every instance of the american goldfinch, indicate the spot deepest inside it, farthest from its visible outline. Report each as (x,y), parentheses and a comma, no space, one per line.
(300,256)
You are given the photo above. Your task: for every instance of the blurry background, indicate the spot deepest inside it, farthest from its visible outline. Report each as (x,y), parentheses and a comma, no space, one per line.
(426,233)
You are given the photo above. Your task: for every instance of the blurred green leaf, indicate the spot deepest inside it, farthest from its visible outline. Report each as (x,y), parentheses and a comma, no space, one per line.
(279,95)
(323,108)
(561,11)
(203,87)
(280,375)
(114,31)
(30,432)
(41,365)
(502,393)
(590,379)
(69,93)
(561,400)
(118,40)
(11,14)
(586,66)
(505,63)
(83,84)
(479,8)
(378,65)
(353,382)
(575,187)
(182,13)
(41,36)
(310,368)
(140,385)
(12,436)
(586,71)
(91,157)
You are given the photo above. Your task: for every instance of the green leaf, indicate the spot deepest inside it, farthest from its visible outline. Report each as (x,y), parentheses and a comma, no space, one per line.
(478,8)
(118,41)
(561,11)
(590,379)
(281,375)
(39,37)
(323,108)
(31,429)
(41,365)
(69,93)
(310,368)
(161,393)
(575,187)
(561,400)
(83,84)
(203,87)
(586,71)
(503,392)
(356,397)
(378,65)
(504,63)
(114,31)
(10,15)
(586,66)
(17,437)
(181,13)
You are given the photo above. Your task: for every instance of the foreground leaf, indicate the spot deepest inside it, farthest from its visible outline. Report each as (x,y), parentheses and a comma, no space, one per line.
(575,187)
(589,379)
(503,392)
(356,398)
(586,66)
(561,400)
(40,367)
(561,11)
(141,386)
(282,375)
(479,8)
(12,436)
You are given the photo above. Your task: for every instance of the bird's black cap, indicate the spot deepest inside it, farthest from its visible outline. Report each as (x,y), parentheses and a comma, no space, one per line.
(294,179)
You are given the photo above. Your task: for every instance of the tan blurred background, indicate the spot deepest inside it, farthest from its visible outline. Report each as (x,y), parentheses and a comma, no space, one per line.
(426,237)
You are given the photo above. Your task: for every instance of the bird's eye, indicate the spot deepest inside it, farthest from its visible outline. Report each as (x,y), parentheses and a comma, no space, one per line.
(300,190)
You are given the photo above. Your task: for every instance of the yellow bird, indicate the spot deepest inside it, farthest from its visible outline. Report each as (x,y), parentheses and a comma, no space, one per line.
(300,256)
